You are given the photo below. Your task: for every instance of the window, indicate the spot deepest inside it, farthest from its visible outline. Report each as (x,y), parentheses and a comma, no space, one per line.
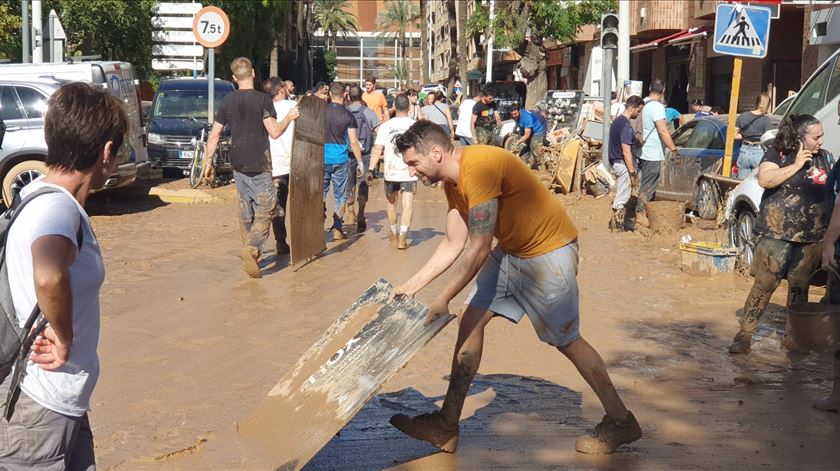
(9,108)
(683,134)
(705,136)
(811,98)
(834,83)
(34,103)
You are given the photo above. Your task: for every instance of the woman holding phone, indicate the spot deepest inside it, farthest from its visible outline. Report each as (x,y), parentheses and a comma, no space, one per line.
(795,211)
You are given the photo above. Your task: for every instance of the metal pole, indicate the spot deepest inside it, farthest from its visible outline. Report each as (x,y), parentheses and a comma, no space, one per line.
(38,38)
(211,72)
(623,72)
(733,111)
(488,75)
(606,88)
(26,50)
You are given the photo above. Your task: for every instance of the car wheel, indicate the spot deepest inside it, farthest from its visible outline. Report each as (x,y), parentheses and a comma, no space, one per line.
(706,200)
(508,142)
(741,235)
(19,176)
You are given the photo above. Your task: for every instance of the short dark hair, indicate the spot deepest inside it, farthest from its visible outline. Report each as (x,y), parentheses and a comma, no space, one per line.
(421,136)
(411,92)
(337,89)
(634,101)
(696,102)
(371,79)
(657,86)
(273,85)
(80,120)
(320,85)
(354,93)
(717,109)
(401,103)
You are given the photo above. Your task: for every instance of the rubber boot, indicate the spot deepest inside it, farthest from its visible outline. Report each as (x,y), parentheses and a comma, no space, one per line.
(831,403)
(742,342)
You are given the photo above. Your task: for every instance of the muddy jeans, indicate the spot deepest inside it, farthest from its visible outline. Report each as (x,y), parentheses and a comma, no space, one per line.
(38,438)
(775,259)
(357,188)
(336,174)
(257,199)
(278,220)
(485,135)
(649,180)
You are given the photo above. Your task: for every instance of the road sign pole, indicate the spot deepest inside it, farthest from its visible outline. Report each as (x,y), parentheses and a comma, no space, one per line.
(733,112)
(211,72)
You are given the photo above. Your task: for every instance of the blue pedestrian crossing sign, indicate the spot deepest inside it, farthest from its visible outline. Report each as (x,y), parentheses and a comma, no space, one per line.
(742,30)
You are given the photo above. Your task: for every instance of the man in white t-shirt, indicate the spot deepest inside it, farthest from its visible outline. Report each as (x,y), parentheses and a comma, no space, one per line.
(464,127)
(397,177)
(281,155)
(654,136)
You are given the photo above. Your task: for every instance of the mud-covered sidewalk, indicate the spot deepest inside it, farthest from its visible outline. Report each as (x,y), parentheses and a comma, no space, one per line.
(189,346)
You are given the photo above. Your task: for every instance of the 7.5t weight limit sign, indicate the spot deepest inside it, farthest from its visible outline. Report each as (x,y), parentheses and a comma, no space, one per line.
(211,27)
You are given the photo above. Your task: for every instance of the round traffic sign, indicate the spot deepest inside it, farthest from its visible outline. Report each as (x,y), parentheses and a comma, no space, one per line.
(211,27)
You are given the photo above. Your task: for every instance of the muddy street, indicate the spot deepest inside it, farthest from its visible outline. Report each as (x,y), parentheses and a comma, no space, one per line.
(190,345)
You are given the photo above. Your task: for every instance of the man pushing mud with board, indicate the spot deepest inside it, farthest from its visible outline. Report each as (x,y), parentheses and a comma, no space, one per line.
(532,270)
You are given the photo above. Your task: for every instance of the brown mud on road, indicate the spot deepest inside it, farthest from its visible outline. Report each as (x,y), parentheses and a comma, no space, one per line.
(190,346)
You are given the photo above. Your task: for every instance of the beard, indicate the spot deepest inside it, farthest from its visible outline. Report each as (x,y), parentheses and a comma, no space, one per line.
(429,181)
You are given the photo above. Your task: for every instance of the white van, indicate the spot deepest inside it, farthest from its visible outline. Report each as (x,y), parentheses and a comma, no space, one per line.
(24,91)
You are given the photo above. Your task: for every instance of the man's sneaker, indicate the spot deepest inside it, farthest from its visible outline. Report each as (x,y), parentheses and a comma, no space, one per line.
(337,234)
(402,243)
(282,248)
(361,224)
(741,343)
(609,435)
(250,261)
(392,238)
(433,428)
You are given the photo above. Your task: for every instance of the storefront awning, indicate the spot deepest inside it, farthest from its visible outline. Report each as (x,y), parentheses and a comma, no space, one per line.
(655,43)
(692,35)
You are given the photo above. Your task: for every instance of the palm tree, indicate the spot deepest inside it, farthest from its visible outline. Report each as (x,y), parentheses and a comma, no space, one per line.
(424,42)
(463,45)
(399,16)
(334,18)
(453,42)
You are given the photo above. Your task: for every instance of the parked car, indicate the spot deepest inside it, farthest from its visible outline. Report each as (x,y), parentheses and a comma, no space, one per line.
(700,147)
(740,211)
(783,107)
(24,92)
(179,112)
(433,87)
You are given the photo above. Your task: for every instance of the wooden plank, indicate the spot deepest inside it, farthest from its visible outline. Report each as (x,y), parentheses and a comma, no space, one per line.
(306,180)
(339,374)
(567,164)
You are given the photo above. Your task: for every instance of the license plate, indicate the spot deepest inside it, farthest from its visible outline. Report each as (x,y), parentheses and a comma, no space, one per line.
(185,154)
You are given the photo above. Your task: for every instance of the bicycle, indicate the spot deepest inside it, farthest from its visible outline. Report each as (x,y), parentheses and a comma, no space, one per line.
(222,162)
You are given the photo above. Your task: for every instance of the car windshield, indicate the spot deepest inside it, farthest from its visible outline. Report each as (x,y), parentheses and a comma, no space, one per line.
(705,136)
(811,98)
(185,104)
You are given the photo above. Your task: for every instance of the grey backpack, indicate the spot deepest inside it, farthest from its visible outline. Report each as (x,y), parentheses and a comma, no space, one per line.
(16,341)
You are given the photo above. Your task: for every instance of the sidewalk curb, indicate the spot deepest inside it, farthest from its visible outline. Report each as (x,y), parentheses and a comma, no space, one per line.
(181,196)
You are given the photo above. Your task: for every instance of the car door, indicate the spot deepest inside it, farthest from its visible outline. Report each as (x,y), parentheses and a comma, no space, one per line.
(701,153)
(670,173)
(17,128)
(34,104)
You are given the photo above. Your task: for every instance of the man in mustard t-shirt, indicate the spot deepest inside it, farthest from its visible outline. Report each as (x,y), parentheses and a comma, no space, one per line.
(532,270)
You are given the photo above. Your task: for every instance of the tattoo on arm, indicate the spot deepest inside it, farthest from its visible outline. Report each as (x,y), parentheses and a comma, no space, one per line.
(482,218)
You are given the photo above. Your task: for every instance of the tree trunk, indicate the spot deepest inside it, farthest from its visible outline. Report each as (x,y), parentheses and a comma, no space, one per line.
(273,61)
(409,73)
(303,21)
(463,45)
(453,42)
(424,43)
(533,66)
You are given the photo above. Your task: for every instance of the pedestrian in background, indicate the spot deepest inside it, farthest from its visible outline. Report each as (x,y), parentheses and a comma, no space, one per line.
(357,186)
(749,127)
(252,119)
(54,261)
(398,180)
(531,130)
(791,221)
(437,112)
(485,118)
(623,165)
(290,90)
(655,138)
(322,91)
(696,107)
(414,108)
(463,130)
(340,139)
(375,100)
(281,155)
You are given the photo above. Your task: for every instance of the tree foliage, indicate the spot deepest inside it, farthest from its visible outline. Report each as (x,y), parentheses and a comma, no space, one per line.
(398,17)
(333,17)
(9,28)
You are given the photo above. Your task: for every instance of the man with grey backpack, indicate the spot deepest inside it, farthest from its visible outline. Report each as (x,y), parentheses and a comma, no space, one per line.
(52,272)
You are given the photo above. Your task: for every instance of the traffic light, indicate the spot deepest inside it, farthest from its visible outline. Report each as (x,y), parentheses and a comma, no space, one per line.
(609,31)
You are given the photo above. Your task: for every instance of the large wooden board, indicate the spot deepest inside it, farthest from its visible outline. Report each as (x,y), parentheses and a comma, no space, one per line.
(567,164)
(306,180)
(339,374)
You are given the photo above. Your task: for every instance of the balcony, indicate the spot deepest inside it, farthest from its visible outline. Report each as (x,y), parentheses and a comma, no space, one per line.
(654,17)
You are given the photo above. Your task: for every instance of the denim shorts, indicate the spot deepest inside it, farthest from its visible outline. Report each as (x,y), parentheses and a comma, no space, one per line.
(543,287)
(405,187)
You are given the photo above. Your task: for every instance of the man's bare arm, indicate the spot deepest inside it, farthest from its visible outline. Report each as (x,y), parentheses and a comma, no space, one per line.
(355,146)
(375,155)
(628,158)
(272,126)
(213,141)
(665,135)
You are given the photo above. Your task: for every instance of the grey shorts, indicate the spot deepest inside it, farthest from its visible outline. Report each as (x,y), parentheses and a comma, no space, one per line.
(543,287)
(406,187)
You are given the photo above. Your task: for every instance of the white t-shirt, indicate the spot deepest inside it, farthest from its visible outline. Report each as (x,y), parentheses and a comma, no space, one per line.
(395,169)
(464,128)
(616,109)
(68,389)
(281,148)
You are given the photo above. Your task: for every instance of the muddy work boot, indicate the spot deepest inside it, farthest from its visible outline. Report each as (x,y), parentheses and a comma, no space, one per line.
(250,261)
(609,435)
(741,343)
(402,243)
(433,428)
(617,220)
(642,220)
(282,247)
(392,238)
(831,403)
(338,234)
